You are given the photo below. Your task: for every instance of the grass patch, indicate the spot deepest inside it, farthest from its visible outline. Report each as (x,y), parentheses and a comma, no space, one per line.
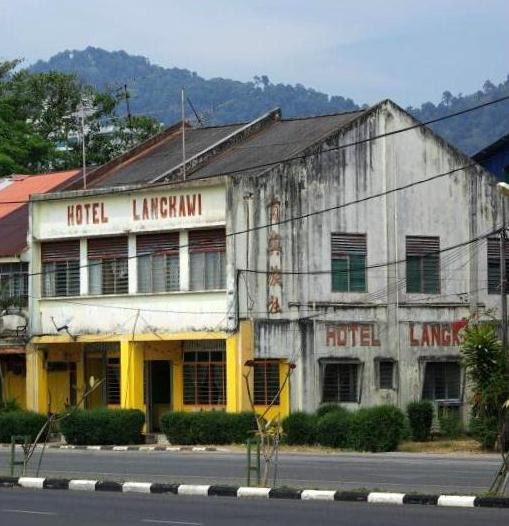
(460,445)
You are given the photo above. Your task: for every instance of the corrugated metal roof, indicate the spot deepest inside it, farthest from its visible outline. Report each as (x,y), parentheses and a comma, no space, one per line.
(278,140)
(14,210)
(163,156)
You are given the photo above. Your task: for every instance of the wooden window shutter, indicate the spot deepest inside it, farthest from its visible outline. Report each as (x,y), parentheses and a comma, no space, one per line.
(161,243)
(207,240)
(60,250)
(107,247)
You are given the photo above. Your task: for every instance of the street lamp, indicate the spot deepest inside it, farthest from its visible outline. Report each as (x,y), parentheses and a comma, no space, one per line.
(503,189)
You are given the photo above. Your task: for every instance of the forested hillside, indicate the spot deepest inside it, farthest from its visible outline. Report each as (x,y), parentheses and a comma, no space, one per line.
(155,91)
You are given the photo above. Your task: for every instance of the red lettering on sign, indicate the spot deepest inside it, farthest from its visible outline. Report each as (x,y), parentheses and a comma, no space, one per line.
(154,211)
(87,212)
(70,215)
(182,206)
(173,205)
(191,204)
(136,216)
(95,213)
(199,204)
(79,214)
(104,217)
(365,336)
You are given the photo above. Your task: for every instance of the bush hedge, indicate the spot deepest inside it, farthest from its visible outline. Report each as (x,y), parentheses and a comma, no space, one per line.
(376,429)
(333,428)
(20,423)
(324,409)
(451,425)
(300,428)
(103,427)
(208,427)
(420,418)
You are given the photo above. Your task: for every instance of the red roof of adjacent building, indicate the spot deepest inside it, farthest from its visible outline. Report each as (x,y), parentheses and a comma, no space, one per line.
(14,197)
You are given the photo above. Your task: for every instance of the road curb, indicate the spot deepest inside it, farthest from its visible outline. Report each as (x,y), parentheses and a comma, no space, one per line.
(131,448)
(243,492)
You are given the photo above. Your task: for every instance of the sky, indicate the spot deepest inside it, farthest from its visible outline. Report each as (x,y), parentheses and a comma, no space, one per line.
(408,50)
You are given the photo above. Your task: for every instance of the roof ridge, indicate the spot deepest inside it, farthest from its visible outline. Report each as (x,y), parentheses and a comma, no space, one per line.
(336,114)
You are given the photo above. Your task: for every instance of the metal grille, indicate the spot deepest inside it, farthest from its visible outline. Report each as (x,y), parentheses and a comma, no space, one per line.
(113,381)
(60,250)
(423,264)
(386,374)
(349,252)
(340,382)
(205,372)
(61,278)
(442,381)
(207,259)
(266,382)
(108,266)
(494,265)
(14,283)
(159,268)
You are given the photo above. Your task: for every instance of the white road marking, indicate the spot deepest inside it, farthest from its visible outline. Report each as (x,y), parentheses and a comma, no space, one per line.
(156,521)
(29,512)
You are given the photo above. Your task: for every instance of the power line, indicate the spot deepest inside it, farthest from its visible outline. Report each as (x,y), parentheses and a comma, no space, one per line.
(291,158)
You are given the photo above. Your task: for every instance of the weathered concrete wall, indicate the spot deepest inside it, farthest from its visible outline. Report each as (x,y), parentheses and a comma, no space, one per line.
(287,285)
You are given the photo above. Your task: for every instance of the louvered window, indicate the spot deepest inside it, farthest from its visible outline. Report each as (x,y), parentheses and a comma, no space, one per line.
(107,270)
(386,374)
(60,268)
(340,382)
(113,380)
(494,265)
(266,382)
(348,253)
(158,262)
(207,257)
(442,381)
(205,372)
(423,264)
(14,283)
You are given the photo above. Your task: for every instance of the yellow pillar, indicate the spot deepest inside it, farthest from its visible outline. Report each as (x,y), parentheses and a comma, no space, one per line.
(239,349)
(284,397)
(131,375)
(81,381)
(36,380)
(177,385)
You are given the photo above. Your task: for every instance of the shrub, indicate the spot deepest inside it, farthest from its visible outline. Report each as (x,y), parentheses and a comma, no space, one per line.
(325,409)
(420,418)
(485,430)
(377,429)
(451,425)
(208,427)
(20,423)
(11,404)
(103,426)
(334,428)
(300,428)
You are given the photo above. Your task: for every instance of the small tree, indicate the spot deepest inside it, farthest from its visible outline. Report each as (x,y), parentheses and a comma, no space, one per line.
(487,369)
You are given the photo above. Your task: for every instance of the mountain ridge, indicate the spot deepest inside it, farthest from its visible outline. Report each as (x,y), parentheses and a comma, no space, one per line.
(155,90)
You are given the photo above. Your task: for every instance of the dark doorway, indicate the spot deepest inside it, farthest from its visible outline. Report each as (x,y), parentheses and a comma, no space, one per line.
(157,391)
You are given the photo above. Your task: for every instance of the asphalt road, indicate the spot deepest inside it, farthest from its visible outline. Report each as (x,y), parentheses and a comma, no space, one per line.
(390,471)
(20,507)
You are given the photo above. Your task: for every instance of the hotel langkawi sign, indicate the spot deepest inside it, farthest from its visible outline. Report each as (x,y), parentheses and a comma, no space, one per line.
(123,212)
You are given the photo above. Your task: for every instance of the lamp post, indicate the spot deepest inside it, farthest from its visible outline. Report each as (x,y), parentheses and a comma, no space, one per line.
(503,189)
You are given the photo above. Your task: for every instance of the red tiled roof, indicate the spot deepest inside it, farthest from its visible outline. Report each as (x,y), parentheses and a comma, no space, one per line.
(14,210)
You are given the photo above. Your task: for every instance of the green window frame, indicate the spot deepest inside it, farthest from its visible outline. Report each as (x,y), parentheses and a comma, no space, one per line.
(422,265)
(348,262)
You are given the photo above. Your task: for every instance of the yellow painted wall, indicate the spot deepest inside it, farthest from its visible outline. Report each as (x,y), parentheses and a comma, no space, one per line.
(15,387)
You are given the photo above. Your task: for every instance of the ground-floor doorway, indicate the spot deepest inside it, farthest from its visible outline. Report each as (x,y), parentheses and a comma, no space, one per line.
(157,392)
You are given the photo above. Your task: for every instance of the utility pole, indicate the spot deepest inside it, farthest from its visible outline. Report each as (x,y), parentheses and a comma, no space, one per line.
(503,279)
(182,102)
(84,161)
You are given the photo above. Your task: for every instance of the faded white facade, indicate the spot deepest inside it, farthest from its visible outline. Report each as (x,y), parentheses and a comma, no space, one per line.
(341,338)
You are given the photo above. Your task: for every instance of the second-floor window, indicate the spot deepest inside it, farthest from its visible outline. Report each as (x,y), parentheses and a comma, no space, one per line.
(207,259)
(14,283)
(348,255)
(107,265)
(423,264)
(158,262)
(60,268)
(266,382)
(494,264)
